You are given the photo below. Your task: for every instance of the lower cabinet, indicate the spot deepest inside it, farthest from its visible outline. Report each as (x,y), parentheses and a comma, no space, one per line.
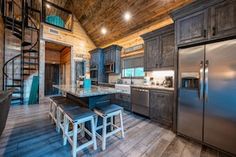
(161,106)
(122,100)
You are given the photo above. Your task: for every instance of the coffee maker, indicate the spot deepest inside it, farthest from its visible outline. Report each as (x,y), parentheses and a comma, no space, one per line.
(168,82)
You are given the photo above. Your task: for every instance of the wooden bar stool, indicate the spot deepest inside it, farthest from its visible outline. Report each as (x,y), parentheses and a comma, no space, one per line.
(53,106)
(61,108)
(78,117)
(106,112)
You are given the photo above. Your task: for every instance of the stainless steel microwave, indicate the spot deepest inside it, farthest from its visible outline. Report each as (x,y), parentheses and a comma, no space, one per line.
(110,67)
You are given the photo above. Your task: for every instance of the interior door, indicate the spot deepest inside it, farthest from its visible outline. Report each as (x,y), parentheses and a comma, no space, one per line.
(190,90)
(51,78)
(220,99)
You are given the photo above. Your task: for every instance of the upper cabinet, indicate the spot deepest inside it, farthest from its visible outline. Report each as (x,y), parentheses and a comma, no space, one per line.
(151,58)
(112,59)
(192,28)
(97,65)
(223,19)
(203,21)
(159,49)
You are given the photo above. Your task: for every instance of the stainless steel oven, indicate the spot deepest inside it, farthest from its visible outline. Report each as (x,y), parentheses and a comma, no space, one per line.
(94,74)
(140,101)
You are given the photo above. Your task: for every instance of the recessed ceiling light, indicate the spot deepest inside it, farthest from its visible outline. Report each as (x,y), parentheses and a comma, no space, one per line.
(127,16)
(48,6)
(103,30)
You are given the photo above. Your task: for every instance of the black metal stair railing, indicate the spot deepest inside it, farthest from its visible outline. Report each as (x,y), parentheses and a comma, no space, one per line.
(29,55)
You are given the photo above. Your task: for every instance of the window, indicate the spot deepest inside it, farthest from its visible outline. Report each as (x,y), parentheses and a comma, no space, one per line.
(133,67)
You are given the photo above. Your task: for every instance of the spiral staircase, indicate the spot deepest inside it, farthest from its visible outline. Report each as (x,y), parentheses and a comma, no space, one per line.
(20,20)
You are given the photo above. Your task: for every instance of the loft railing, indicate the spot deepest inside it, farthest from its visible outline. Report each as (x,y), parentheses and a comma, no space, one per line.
(56,15)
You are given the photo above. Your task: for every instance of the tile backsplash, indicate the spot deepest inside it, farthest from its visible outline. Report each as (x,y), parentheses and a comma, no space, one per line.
(159,76)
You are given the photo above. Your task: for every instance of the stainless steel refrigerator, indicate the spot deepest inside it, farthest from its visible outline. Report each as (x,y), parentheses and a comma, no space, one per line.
(207,94)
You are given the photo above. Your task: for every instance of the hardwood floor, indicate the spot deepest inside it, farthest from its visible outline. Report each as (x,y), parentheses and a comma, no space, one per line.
(29,133)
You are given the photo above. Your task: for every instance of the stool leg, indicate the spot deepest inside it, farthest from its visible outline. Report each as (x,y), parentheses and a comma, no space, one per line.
(82,130)
(74,145)
(96,122)
(50,108)
(112,123)
(66,129)
(121,125)
(58,121)
(94,134)
(104,133)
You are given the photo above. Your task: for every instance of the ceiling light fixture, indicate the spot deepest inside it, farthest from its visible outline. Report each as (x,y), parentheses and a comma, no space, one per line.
(103,30)
(48,6)
(127,16)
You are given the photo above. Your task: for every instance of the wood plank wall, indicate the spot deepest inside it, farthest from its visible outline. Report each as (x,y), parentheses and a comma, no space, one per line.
(52,57)
(65,61)
(1,51)
(77,39)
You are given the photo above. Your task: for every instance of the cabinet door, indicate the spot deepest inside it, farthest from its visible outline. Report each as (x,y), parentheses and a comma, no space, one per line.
(93,59)
(167,50)
(192,28)
(151,53)
(223,19)
(161,107)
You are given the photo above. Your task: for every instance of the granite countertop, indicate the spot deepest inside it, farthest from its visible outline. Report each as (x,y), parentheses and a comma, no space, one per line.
(153,87)
(82,92)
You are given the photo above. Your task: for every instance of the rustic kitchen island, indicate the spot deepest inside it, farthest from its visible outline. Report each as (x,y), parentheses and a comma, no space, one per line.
(89,97)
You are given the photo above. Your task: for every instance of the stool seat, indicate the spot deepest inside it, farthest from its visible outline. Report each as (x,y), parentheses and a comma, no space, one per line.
(63,101)
(79,113)
(68,106)
(57,97)
(108,109)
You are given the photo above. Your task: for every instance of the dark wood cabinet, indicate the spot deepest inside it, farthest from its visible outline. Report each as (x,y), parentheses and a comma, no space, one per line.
(203,21)
(192,28)
(97,65)
(167,50)
(151,55)
(159,49)
(223,19)
(161,106)
(112,55)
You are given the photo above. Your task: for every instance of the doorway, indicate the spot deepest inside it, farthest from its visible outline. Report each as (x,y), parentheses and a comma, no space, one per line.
(57,67)
(51,78)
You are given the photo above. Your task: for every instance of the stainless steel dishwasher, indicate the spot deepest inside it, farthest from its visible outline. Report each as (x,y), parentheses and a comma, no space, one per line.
(140,101)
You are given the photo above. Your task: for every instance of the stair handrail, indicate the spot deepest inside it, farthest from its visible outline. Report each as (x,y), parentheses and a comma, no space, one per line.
(5,64)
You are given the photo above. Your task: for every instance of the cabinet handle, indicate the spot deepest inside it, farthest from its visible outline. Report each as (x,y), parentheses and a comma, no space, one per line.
(213,31)
(204,33)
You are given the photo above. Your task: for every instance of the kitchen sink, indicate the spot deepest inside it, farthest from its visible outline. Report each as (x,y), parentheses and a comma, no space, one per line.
(124,87)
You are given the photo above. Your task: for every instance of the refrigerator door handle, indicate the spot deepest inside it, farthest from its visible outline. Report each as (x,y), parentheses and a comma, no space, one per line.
(201,81)
(206,79)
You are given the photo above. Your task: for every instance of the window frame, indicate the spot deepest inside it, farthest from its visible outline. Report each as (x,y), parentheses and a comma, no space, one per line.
(135,77)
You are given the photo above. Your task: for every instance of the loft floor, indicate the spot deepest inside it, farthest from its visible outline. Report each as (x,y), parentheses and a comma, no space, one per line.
(29,133)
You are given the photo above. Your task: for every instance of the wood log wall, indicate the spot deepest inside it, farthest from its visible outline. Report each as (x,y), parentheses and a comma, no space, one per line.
(1,50)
